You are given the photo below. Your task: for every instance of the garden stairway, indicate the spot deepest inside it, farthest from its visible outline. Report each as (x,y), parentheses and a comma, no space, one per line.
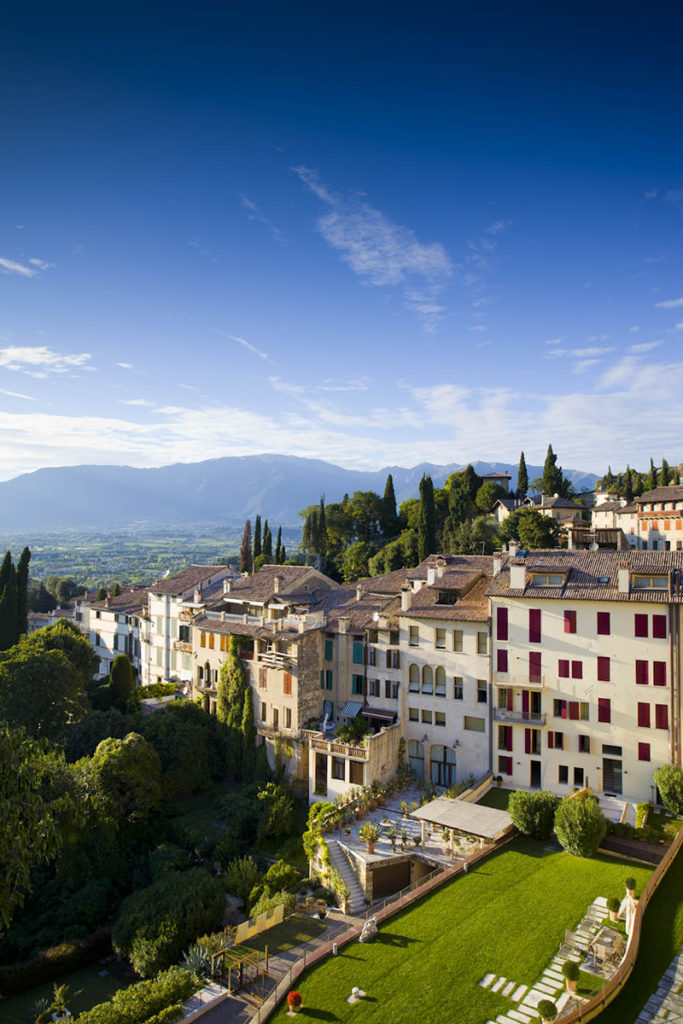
(339,861)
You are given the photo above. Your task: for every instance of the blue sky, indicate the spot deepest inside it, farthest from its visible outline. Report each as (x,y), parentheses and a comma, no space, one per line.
(375,233)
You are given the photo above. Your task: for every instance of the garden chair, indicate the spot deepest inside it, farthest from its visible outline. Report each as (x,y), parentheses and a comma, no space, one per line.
(569,946)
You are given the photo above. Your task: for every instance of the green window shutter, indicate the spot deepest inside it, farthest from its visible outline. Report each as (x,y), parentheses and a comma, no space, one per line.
(329,679)
(328,650)
(322,679)
(358,653)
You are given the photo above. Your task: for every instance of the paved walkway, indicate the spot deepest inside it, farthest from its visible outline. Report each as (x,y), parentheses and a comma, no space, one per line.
(667,1002)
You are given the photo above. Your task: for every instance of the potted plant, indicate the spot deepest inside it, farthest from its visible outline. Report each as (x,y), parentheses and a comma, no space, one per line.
(294,1002)
(59,997)
(570,969)
(392,836)
(417,840)
(369,832)
(498,779)
(613,907)
(631,886)
(405,808)
(547,1010)
(403,836)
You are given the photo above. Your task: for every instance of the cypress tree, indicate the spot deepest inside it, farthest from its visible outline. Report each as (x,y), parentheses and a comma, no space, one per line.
(637,484)
(472,481)
(522,478)
(552,474)
(426,519)
(246,561)
(116,590)
(248,735)
(283,555)
(388,521)
(664,474)
(675,476)
(9,632)
(257,549)
(5,570)
(628,484)
(267,542)
(101,594)
(278,546)
(651,479)
(322,529)
(122,683)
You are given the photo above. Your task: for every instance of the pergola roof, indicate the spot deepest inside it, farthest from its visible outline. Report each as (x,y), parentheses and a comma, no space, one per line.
(484,822)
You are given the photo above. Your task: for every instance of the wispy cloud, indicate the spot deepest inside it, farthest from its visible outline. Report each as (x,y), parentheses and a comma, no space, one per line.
(651,194)
(254,212)
(11,267)
(679,327)
(126,366)
(645,346)
(18,394)
(669,304)
(354,384)
(40,361)
(674,195)
(480,259)
(138,401)
(244,343)
(41,264)
(583,358)
(633,329)
(381,252)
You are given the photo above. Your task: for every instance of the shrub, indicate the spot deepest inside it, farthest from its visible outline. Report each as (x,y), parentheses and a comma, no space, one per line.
(642,811)
(241,876)
(155,924)
(613,904)
(168,857)
(54,962)
(630,882)
(580,825)
(147,999)
(282,876)
(270,901)
(294,1000)
(669,782)
(570,970)
(533,813)
(167,1016)
(547,1010)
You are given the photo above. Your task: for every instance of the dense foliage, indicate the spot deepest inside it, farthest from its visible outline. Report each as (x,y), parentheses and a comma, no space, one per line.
(533,813)
(580,825)
(146,1001)
(669,782)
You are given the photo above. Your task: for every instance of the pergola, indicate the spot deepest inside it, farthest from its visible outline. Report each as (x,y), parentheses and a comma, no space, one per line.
(486,823)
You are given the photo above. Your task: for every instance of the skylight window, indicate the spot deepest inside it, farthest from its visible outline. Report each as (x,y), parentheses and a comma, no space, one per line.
(547,579)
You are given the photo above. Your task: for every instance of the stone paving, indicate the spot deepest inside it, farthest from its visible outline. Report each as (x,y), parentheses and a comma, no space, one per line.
(667,1002)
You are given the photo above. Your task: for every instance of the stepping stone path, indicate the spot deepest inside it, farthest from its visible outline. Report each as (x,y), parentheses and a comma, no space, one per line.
(667,1002)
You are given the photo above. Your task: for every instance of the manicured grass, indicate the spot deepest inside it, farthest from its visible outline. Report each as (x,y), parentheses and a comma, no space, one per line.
(86,990)
(287,935)
(506,916)
(497,798)
(660,941)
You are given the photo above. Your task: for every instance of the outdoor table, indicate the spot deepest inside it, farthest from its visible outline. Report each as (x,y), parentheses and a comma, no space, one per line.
(607,944)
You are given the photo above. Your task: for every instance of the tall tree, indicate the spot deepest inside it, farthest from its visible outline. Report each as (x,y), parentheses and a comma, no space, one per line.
(627,491)
(322,528)
(248,730)
(22,591)
(664,474)
(267,542)
(257,547)
(245,548)
(552,474)
(9,632)
(651,478)
(472,481)
(426,526)
(278,547)
(122,684)
(522,478)
(116,590)
(101,594)
(389,518)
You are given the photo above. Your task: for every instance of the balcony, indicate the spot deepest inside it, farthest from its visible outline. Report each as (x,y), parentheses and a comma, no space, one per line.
(519,717)
(523,682)
(335,747)
(275,659)
(183,646)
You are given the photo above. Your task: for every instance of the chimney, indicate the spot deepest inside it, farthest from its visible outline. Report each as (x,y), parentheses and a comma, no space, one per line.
(439,570)
(497,562)
(513,548)
(405,598)
(359,593)
(198,595)
(517,574)
(343,624)
(276,584)
(623,579)
(227,586)
(431,577)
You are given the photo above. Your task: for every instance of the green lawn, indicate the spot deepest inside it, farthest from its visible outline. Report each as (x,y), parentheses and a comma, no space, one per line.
(506,916)
(287,935)
(86,990)
(497,798)
(660,941)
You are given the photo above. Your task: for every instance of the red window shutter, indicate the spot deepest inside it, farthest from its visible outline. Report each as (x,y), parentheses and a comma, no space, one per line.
(501,624)
(525,701)
(662,716)
(659,627)
(534,625)
(508,770)
(641,625)
(643,751)
(508,745)
(603,623)
(527,741)
(551,736)
(659,673)
(604,709)
(603,669)
(534,666)
(287,684)
(563,668)
(570,622)
(574,709)
(577,670)
(643,715)
(502,659)
(641,673)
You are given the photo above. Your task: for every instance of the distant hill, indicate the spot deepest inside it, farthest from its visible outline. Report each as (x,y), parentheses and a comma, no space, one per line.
(226,490)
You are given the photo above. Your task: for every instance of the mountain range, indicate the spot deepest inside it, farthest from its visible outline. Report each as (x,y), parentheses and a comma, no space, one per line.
(226,490)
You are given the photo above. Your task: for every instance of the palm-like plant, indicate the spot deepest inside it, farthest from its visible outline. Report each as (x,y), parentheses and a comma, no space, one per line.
(198,960)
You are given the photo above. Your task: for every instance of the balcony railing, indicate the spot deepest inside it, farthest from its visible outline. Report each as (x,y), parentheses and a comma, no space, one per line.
(530,681)
(340,749)
(519,717)
(182,645)
(275,659)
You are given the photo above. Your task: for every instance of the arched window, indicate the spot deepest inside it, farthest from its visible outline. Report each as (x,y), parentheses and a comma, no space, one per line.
(416,756)
(414,679)
(440,682)
(427,679)
(442,765)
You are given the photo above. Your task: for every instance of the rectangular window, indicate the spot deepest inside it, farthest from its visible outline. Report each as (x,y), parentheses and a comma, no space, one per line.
(373,688)
(570,622)
(603,669)
(184,634)
(339,768)
(263,678)
(643,751)
(393,659)
(288,718)
(457,688)
(560,708)
(414,680)
(501,659)
(643,715)
(440,639)
(413,715)
(372,656)
(211,641)
(640,624)
(577,670)
(394,689)
(457,640)
(276,718)
(426,717)
(604,709)
(661,716)
(329,679)
(641,673)
(357,685)
(578,777)
(604,625)
(394,637)
(555,741)
(474,724)
(373,636)
(358,652)
(563,668)
(482,643)
(263,712)
(387,688)
(534,625)
(534,666)
(329,649)
(659,673)
(563,774)
(481,691)
(202,640)
(659,627)
(440,718)
(504,765)
(287,683)
(414,636)
(501,623)
(356,773)
(574,710)
(584,744)
(440,683)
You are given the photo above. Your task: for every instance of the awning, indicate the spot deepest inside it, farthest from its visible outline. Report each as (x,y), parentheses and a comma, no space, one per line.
(383,714)
(477,819)
(351,708)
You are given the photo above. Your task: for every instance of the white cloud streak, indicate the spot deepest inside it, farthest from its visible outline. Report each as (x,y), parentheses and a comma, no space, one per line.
(39,361)
(11,267)
(244,343)
(255,213)
(669,304)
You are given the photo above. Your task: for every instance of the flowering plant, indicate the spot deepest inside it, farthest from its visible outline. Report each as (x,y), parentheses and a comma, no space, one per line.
(294,1000)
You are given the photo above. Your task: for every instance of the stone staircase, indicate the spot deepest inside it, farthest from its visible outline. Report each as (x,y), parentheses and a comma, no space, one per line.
(339,861)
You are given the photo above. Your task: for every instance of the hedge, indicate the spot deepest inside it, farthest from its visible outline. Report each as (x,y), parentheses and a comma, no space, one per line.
(54,962)
(157,1001)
